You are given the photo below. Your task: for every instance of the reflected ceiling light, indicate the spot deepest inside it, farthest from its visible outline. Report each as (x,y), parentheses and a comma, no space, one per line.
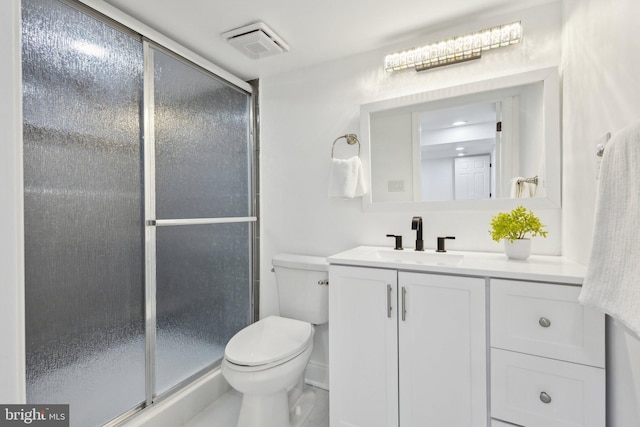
(90,49)
(460,154)
(454,50)
(459,148)
(459,123)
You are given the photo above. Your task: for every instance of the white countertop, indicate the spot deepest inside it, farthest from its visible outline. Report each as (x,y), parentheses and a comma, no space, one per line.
(485,264)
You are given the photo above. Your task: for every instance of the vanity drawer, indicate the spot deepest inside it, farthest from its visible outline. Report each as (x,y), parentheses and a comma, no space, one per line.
(546,320)
(536,391)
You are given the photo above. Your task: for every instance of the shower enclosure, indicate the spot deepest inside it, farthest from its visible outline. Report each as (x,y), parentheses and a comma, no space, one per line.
(139,214)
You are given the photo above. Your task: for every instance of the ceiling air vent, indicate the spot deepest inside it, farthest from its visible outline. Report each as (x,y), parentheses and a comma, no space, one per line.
(256,40)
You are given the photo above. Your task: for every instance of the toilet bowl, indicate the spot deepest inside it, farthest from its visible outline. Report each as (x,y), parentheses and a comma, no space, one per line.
(266,360)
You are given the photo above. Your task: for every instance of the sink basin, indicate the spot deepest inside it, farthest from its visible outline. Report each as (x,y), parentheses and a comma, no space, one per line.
(417,257)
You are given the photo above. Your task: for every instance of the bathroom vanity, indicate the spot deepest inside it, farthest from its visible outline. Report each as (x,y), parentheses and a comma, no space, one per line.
(462,339)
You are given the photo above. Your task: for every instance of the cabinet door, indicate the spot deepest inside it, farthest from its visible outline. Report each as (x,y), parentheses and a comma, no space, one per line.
(363,347)
(442,351)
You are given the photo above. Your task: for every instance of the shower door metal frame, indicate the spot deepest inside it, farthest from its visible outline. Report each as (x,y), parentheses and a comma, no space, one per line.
(149,165)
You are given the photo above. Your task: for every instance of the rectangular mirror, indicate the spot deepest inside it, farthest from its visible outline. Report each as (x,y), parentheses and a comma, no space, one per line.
(488,144)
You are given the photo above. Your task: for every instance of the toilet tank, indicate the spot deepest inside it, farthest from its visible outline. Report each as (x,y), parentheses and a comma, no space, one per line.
(303,290)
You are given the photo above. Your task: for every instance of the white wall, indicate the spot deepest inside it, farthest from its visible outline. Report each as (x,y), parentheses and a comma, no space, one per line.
(530,125)
(391,156)
(601,93)
(437,179)
(12,387)
(304,111)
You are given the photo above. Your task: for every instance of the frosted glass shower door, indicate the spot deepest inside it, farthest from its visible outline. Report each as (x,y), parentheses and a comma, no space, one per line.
(203,208)
(138,227)
(83,210)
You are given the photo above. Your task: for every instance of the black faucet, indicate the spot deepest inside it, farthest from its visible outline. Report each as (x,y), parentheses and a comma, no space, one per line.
(441,243)
(398,241)
(416,224)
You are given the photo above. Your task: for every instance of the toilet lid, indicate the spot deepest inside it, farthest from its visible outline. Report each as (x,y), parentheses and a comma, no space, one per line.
(268,340)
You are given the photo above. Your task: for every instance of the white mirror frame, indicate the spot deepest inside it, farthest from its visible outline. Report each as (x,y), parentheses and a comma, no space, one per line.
(552,175)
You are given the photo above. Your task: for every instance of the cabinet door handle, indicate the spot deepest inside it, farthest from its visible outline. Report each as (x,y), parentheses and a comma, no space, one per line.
(544,322)
(545,398)
(404,304)
(389,290)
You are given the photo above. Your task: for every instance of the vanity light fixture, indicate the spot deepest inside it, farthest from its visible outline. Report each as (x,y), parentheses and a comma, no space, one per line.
(459,123)
(459,148)
(454,50)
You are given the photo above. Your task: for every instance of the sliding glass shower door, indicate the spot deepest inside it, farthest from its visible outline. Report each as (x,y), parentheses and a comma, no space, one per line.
(138,214)
(83,204)
(203,211)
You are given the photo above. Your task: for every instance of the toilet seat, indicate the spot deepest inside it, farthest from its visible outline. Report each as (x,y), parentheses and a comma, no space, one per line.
(268,342)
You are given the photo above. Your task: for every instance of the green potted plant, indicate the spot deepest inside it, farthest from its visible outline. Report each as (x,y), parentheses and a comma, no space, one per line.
(514,227)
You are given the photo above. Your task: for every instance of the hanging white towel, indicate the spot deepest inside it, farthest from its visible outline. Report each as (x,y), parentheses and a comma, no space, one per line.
(530,189)
(521,189)
(612,281)
(346,178)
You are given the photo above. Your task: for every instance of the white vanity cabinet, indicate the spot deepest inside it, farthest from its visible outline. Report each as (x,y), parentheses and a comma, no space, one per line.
(415,337)
(406,349)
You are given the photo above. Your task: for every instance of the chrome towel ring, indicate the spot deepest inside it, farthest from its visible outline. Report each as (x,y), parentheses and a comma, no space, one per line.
(351,138)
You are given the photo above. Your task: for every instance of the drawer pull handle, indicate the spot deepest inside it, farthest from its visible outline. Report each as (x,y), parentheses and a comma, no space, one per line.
(544,322)
(545,398)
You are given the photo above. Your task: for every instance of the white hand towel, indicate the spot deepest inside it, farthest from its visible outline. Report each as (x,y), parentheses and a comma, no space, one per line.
(346,178)
(530,189)
(612,281)
(521,189)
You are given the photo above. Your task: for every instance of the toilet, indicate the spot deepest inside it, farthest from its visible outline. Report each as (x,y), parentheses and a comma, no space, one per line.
(266,360)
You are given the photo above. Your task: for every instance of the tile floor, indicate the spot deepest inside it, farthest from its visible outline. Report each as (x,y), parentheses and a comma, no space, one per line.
(224,411)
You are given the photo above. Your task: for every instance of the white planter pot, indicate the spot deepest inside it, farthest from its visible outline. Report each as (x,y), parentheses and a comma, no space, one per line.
(519,249)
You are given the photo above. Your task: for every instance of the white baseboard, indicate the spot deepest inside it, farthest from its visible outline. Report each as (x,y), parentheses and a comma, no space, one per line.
(317,375)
